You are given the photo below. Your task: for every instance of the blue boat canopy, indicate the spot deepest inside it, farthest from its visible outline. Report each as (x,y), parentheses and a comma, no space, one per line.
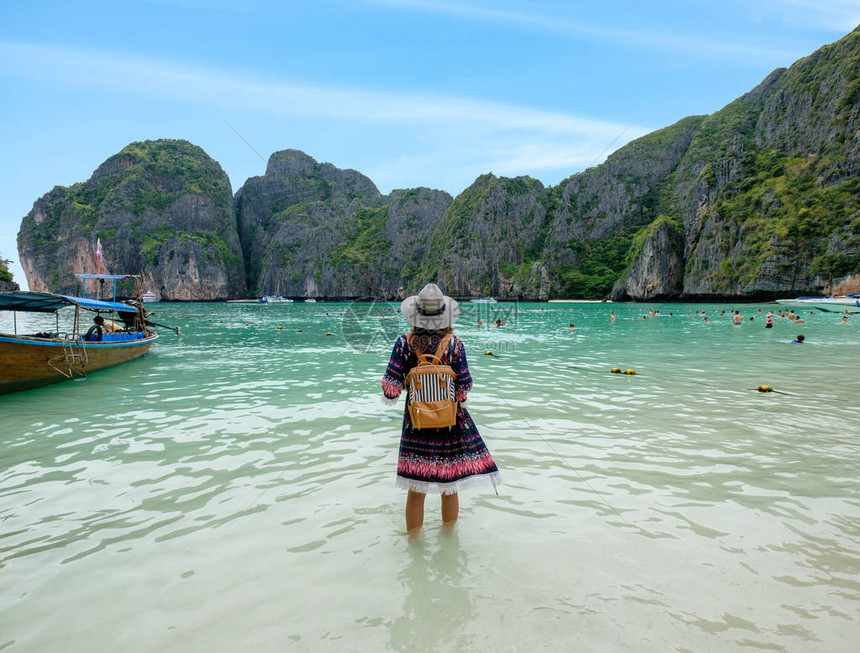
(45,302)
(98,304)
(32,302)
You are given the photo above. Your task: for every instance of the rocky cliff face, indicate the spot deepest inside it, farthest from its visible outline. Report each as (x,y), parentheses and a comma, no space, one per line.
(488,239)
(598,213)
(310,229)
(758,199)
(162,209)
(656,272)
(767,189)
(292,217)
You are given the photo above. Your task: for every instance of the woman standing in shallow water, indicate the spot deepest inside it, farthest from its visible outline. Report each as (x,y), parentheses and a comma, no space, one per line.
(436,460)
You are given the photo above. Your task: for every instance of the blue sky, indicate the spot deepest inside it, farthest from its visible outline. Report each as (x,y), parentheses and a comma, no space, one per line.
(409,92)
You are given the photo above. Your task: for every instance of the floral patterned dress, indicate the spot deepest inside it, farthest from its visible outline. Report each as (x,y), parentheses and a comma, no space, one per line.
(446,460)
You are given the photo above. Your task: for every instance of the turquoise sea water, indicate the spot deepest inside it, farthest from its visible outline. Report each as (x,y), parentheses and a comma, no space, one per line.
(234,490)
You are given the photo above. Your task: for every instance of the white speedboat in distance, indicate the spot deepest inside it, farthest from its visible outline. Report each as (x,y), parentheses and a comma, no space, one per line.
(275,299)
(485,300)
(149,297)
(828,304)
(310,300)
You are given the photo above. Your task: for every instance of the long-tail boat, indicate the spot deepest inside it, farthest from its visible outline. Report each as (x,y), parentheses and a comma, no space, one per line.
(44,357)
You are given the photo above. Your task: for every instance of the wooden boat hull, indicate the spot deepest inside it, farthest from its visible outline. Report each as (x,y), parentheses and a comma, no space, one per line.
(29,362)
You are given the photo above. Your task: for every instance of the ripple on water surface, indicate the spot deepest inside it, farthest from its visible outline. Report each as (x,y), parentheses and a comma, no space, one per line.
(236,486)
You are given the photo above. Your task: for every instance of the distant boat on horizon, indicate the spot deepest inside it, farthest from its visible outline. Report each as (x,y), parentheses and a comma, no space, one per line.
(310,300)
(826,303)
(485,300)
(148,297)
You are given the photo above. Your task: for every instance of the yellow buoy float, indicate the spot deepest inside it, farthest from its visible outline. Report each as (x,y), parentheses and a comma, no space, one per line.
(616,370)
(764,388)
(631,372)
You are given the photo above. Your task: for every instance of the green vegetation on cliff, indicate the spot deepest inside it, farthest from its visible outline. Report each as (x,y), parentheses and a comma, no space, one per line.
(599,264)
(148,196)
(457,228)
(829,80)
(72,209)
(5,274)
(309,227)
(672,225)
(493,220)
(143,176)
(152,243)
(638,179)
(783,210)
(760,197)
(730,128)
(365,247)
(308,180)
(454,232)
(154,174)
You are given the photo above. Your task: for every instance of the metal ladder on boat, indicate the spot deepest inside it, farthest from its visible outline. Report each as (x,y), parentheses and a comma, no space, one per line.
(72,363)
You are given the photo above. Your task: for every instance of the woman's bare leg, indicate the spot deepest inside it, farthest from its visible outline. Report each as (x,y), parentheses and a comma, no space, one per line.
(414,511)
(450,508)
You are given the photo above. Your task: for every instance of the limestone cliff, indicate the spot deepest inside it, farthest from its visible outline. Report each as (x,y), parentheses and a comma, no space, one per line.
(761,198)
(310,229)
(489,239)
(768,189)
(597,214)
(162,209)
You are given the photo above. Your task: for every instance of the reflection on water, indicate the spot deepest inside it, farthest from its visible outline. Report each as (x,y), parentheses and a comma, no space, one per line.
(235,490)
(437,610)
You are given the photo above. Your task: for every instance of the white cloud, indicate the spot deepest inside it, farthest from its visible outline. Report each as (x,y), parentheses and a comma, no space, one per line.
(201,86)
(696,45)
(516,138)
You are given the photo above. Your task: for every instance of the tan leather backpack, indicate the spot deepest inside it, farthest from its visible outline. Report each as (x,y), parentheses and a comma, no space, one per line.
(431,400)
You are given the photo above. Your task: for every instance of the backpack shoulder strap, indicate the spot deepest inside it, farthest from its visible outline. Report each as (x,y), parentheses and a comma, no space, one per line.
(422,359)
(429,359)
(443,345)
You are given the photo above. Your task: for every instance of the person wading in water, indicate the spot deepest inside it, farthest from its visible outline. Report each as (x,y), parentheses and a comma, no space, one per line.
(447,459)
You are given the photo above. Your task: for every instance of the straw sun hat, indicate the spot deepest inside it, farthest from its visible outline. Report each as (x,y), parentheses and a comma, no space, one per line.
(430,309)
